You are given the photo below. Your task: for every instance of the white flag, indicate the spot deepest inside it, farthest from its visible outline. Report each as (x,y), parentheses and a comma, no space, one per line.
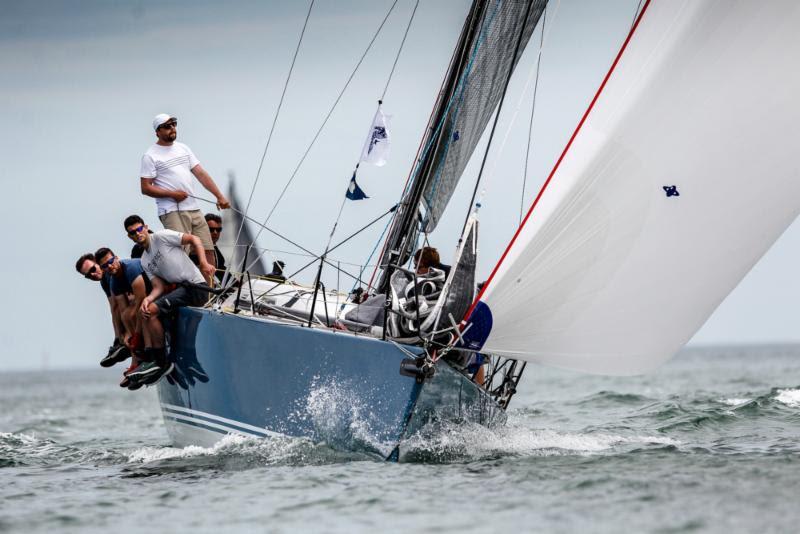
(376,147)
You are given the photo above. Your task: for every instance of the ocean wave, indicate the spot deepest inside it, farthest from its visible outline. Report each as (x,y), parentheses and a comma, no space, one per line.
(17,449)
(235,453)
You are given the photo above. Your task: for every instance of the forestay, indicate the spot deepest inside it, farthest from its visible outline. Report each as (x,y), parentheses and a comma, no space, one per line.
(681,176)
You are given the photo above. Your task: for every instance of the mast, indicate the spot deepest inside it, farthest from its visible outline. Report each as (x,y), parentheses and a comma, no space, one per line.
(408,215)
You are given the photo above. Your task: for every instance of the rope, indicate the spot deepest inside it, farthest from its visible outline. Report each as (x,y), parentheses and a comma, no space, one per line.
(274,123)
(397,57)
(530,125)
(325,121)
(262,226)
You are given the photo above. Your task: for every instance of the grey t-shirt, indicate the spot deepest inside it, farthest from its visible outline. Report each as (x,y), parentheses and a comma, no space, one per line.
(166,259)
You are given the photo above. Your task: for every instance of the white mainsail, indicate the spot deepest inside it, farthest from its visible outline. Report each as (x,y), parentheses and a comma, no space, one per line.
(612,271)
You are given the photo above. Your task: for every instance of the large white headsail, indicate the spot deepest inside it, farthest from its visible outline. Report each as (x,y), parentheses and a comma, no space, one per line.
(682,174)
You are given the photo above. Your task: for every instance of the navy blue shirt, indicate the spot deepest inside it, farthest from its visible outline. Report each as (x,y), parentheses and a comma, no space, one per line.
(122,283)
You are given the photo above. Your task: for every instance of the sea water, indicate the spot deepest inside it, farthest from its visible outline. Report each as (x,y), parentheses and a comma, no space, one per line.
(709,443)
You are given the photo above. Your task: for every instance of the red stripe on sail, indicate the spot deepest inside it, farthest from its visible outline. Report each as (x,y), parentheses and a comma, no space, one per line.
(558,163)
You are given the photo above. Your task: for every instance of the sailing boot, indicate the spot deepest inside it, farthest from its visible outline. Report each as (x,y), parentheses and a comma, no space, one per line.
(117,352)
(154,370)
(149,371)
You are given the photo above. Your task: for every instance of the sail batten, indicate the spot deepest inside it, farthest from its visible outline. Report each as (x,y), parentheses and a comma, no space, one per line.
(679,180)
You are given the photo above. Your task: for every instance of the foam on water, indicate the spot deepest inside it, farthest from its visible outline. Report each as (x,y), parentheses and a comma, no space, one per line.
(451,442)
(231,442)
(735,401)
(789,397)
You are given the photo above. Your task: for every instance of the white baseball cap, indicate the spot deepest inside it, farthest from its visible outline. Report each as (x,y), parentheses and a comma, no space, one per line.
(160,119)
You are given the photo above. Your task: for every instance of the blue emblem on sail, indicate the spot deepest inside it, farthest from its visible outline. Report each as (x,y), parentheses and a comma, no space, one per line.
(456,135)
(671,191)
(353,191)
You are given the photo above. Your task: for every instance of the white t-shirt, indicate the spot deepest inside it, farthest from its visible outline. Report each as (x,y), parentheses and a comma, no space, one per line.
(171,166)
(166,259)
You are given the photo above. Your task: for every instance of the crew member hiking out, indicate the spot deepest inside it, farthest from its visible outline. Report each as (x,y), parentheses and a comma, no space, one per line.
(129,287)
(176,282)
(90,269)
(166,175)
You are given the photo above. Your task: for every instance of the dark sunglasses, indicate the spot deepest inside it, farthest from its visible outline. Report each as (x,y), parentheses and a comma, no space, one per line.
(136,230)
(170,124)
(108,263)
(210,229)
(90,272)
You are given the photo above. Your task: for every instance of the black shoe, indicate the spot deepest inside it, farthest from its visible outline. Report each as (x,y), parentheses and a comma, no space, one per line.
(149,373)
(164,371)
(118,352)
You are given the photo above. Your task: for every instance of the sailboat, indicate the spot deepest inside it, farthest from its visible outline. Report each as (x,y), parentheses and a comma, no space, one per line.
(679,176)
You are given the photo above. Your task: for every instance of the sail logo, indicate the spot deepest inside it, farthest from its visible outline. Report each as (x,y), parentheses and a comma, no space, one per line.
(378,134)
(376,145)
(671,191)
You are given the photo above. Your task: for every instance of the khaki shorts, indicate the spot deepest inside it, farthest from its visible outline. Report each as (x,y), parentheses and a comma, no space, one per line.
(189,222)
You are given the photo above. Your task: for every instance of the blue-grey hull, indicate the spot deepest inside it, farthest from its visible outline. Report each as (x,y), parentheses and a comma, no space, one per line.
(257,377)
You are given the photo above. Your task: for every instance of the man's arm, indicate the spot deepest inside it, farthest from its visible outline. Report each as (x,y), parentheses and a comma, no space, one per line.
(157,291)
(126,316)
(206,268)
(139,290)
(151,190)
(116,321)
(207,181)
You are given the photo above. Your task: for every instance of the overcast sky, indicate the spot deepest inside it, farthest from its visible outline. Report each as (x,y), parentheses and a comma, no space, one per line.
(82,80)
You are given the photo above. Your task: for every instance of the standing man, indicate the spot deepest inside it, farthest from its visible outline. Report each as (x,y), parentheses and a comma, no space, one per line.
(168,267)
(166,175)
(215,227)
(90,269)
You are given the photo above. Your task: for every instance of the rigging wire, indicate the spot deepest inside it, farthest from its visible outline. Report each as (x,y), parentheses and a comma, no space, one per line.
(533,110)
(274,123)
(325,121)
(636,13)
(517,109)
(397,57)
(310,253)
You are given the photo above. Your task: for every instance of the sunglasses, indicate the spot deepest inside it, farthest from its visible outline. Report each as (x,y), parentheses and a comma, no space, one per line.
(90,272)
(170,124)
(136,230)
(108,263)
(212,229)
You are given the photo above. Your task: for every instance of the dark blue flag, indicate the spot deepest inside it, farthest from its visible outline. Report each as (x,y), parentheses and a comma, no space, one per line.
(353,191)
